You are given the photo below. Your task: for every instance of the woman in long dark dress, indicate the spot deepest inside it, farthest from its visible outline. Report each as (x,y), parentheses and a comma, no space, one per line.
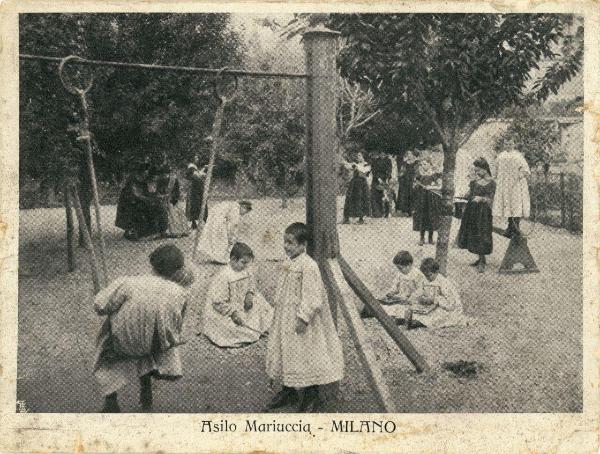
(426,203)
(358,199)
(405,183)
(195,193)
(475,232)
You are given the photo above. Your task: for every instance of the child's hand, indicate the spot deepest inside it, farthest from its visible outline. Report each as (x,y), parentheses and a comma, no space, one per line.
(390,295)
(426,300)
(237,319)
(300,326)
(248,301)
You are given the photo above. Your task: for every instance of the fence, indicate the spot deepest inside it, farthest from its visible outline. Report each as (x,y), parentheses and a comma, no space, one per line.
(557,200)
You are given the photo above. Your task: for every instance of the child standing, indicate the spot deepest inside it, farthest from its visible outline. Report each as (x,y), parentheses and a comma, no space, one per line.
(475,233)
(142,329)
(235,314)
(304,350)
(219,233)
(407,285)
(439,306)
(426,203)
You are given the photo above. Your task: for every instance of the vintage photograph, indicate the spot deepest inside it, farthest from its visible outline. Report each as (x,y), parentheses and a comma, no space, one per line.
(300,213)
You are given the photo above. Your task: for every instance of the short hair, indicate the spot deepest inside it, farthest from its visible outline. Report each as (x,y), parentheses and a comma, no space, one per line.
(429,265)
(300,231)
(403,258)
(240,250)
(246,204)
(166,260)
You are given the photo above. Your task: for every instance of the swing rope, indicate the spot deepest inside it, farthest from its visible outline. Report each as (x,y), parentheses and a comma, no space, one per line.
(216,139)
(86,136)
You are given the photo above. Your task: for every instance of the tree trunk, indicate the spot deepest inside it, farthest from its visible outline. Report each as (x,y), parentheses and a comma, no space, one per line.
(447,206)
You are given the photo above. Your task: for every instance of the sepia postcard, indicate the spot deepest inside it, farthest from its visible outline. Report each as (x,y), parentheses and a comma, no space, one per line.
(297,227)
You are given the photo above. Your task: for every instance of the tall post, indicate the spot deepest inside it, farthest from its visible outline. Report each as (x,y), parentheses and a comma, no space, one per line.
(70,228)
(320,45)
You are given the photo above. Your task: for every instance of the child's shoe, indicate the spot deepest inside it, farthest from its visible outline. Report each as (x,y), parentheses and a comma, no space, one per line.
(287,396)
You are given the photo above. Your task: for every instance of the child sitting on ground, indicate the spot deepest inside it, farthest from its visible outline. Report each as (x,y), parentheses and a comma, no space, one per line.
(439,305)
(304,350)
(235,314)
(407,285)
(142,329)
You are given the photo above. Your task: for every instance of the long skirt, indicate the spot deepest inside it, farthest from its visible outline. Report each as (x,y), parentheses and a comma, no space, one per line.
(405,191)
(377,208)
(357,203)
(177,226)
(426,210)
(475,233)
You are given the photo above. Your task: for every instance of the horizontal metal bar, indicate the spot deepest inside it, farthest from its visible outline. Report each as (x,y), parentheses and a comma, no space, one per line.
(188,69)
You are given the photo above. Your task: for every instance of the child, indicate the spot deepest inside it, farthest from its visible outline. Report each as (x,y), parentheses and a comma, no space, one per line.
(439,305)
(304,350)
(235,313)
(426,204)
(407,286)
(219,234)
(475,233)
(142,329)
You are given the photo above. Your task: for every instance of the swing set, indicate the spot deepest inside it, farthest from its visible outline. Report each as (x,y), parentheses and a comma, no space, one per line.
(343,285)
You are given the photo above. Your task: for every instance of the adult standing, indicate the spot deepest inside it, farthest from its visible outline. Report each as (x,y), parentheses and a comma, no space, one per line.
(195,194)
(382,171)
(475,233)
(220,232)
(406,181)
(512,192)
(357,203)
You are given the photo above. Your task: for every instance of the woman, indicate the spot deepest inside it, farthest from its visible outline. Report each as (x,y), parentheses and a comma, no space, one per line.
(138,212)
(195,193)
(406,179)
(169,192)
(220,232)
(357,203)
(426,203)
(475,233)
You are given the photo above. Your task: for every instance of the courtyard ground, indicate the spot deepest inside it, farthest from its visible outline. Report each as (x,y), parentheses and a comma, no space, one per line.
(526,335)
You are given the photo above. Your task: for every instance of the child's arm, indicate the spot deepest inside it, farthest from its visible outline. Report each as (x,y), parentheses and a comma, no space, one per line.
(110,300)
(313,295)
(418,290)
(393,290)
(218,296)
(449,297)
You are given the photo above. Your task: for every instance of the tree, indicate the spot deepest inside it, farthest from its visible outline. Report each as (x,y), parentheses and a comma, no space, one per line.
(453,71)
(134,112)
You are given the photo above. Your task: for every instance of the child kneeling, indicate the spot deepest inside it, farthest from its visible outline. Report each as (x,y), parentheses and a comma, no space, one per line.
(142,329)
(439,305)
(304,350)
(235,314)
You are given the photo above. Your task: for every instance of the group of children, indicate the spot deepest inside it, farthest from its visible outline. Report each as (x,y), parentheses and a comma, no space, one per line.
(142,331)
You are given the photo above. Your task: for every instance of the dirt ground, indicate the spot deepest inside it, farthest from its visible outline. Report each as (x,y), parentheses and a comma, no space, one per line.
(526,333)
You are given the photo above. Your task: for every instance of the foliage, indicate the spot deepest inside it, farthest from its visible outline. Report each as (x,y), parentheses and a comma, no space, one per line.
(134,114)
(535,137)
(450,72)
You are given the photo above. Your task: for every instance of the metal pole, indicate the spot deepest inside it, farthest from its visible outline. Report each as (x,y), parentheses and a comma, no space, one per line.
(70,242)
(87,239)
(90,162)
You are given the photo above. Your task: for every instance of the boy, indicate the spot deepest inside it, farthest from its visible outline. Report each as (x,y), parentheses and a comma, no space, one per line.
(143,328)
(439,305)
(304,351)
(235,314)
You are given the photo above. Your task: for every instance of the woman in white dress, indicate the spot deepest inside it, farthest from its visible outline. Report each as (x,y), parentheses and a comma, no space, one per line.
(219,232)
